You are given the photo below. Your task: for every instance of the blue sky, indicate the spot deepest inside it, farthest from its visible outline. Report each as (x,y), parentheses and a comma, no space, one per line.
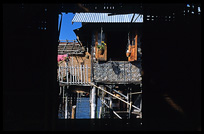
(67,27)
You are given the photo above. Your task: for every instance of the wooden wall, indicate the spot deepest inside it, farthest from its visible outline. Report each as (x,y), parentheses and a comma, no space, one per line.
(80,60)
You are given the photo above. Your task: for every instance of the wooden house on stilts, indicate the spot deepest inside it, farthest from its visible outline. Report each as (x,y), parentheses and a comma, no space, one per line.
(113,44)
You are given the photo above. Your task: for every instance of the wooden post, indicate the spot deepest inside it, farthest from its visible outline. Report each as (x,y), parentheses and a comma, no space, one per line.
(66,108)
(67,71)
(59,74)
(128,101)
(62,73)
(84,74)
(93,103)
(102,105)
(81,73)
(78,74)
(70,79)
(130,110)
(60,91)
(72,71)
(63,101)
(110,104)
(73,112)
(75,76)
(100,112)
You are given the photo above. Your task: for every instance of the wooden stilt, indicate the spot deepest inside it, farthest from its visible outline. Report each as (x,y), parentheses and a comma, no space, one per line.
(93,103)
(66,108)
(100,112)
(73,112)
(130,108)
(110,104)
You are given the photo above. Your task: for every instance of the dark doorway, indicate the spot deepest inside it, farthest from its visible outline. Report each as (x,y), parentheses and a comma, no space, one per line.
(117,43)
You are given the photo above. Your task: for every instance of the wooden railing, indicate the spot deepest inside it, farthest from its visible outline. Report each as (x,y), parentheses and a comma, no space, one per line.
(73,75)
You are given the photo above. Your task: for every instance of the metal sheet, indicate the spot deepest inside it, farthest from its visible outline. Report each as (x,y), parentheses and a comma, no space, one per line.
(104,18)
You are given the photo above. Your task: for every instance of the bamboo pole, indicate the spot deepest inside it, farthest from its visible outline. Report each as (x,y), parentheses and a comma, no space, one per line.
(62,73)
(100,111)
(84,74)
(77,76)
(111,109)
(120,94)
(136,93)
(130,109)
(70,76)
(72,70)
(93,103)
(128,100)
(66,106)
(87,74)
(81,72)
(67,72)
(59,73)
(110,104)
(113,95)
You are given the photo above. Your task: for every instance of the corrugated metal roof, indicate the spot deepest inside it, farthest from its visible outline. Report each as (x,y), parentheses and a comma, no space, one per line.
(104,18)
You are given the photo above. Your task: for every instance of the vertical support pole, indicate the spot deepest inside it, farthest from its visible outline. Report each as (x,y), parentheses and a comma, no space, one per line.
(60,91)
(103,108)
(124,70)
(128,101)
(93,103)
(129,116)
(72,71)
(63,102)
(128,98)
(73,112)
(141,108)
(66,107)
(78,74)
(84,74)
(81,72)
(67,71)
(87,74)
(129,72)
(59,74)
(110,104)
(63,95)
(100,112)
(75,74)
(70,76)
(62,74)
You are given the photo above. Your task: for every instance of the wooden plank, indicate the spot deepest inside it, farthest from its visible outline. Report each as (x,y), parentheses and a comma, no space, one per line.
(135,57)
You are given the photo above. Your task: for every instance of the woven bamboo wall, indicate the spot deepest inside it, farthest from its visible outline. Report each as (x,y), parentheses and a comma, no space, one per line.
(118,71)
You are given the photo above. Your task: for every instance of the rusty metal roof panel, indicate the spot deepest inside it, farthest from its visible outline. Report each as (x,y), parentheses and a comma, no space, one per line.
(106,18)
